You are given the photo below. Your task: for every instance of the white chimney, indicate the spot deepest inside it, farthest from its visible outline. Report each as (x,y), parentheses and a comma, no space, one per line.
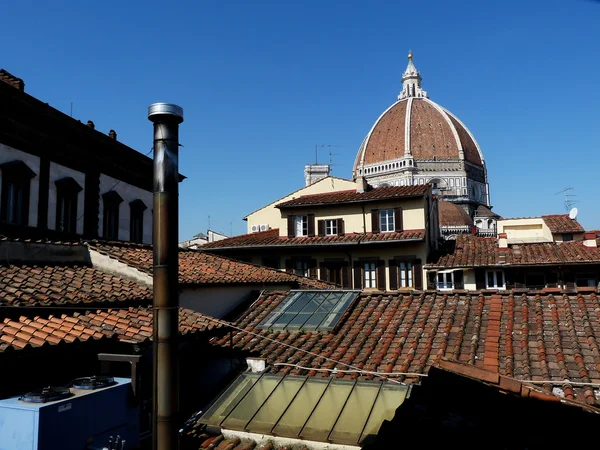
(502,240)
(589,240)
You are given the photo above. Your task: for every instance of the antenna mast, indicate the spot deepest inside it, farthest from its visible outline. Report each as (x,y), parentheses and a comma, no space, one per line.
(317,146)
(568,201)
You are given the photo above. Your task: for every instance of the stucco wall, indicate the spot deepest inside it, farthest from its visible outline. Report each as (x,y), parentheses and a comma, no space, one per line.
(9,154)
(271,216)
(525,229)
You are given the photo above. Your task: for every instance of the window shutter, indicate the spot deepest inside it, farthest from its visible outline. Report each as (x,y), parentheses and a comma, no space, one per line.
(312,268)
(340,227)
(311,225)
(375,220)
(398,220)
(393,274)
(458,279)
(323,272)
(291,223)
(357,275)
(479,279)
(431,280)
(289,266)
(346,276)
(418,275)
(381,275)
(321,227)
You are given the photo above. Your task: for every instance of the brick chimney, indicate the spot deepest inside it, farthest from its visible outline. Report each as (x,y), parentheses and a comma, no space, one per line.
(15,82)
(112,134)
(589,240)
(502,240)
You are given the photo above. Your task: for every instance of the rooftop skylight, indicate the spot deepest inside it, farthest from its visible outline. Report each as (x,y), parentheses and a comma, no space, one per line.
(336,410)
(309,311)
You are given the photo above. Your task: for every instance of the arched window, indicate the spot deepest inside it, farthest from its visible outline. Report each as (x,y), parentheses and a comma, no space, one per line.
(16,181)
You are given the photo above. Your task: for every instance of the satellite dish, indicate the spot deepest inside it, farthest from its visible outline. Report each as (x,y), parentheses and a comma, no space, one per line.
(573,213)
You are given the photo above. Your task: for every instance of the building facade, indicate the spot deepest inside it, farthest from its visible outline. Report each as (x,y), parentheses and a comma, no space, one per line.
(61,178)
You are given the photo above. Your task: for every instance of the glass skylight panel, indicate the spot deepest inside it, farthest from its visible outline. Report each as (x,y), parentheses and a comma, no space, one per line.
(309,311)
(336,410)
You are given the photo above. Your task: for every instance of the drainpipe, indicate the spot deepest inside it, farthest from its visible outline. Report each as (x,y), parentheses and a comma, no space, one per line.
(166,118)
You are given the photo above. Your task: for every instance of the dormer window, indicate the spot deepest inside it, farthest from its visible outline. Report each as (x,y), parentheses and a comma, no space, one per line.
(386,220)
(301,225)
(16,181)
(67,191)
(110,222)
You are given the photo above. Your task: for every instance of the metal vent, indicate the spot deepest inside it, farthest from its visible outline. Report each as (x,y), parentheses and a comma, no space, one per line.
(93,382)
(47,394)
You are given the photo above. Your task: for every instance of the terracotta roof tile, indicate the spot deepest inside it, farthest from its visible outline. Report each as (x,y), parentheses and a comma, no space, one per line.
(452,215)
(352,196)
(200,268)
(473,251)
(25,285)
(546,338)
(562,223)
(271,238)
(83,327)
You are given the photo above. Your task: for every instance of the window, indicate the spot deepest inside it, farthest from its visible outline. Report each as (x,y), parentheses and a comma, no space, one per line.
(301,225)
(567,237)
(136,221)
(450,280)
(406,274)
(110,222)
(495,279)
(386,220)
(369,274)
(272,262)
(331,227)
(301,268)
(16,181)
(336,410)
(309,311)
(67,191)
(335,271)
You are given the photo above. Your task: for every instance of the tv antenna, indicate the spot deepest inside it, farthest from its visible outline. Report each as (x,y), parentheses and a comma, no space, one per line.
(318,146)
(569,202)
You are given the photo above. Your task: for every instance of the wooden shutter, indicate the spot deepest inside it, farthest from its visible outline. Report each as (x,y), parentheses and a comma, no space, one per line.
(340,227)
(393,265)
(323,272)
(312,268)
(289,266)
(398,219)
(458,279)
(431,280)
(381,275)
(357,275)
(321,227)
(479,279)
(346,276)
(418,275)
(375,220)
(291,223)
(311,225)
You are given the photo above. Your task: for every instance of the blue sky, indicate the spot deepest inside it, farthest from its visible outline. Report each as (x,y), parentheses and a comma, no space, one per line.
(263,82)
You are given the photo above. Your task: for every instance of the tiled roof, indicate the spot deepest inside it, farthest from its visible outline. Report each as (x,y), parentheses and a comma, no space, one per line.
(44,285)
(540,338)
(484,211)
(473,251)
(562,223)
(271,238)
(452,215)
(352,196)
(203,268)
(132,325)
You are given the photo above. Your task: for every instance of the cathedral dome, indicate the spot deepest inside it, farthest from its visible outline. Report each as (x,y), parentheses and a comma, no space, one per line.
(413,130)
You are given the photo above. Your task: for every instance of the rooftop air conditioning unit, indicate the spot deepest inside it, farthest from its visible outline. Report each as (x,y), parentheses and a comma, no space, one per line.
(88,415)
(259,227)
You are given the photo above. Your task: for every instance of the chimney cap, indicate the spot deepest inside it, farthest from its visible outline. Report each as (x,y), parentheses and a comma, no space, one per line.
(157,110)
(91,124)
(112,134)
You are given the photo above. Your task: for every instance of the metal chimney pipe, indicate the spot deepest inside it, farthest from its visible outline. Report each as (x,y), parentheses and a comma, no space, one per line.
(166,118)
